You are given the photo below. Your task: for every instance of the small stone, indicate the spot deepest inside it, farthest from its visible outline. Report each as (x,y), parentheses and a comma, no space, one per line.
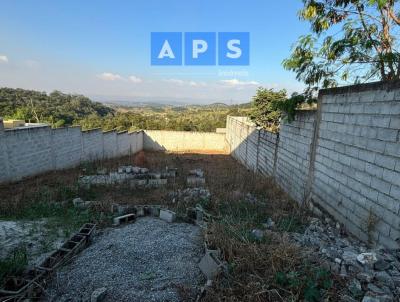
(98,295)
(381,265)
(385,279)
(355,288)
(375,289)
(343,271)
(349,257)
(365,277)
(370,299)
(269,224)
(347,298)
(367,258)
(258,234)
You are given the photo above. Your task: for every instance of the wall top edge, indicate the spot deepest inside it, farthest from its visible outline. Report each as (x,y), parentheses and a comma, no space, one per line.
(381,85)
(190,132)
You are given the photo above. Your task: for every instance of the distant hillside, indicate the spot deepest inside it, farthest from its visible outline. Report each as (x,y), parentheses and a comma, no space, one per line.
(55,108)
(59,109)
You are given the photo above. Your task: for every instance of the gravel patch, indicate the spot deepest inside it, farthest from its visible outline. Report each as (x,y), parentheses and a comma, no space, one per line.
(149,260)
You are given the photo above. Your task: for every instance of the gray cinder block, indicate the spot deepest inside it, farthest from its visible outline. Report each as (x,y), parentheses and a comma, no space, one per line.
(167,215)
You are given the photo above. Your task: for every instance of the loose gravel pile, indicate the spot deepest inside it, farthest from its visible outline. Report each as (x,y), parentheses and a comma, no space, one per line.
(149,260)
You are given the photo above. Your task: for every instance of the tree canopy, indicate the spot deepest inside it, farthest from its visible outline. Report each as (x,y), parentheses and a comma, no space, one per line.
(352,41)
(56,108)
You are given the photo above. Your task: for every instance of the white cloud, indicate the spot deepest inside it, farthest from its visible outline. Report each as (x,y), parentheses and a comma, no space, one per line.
(135,79)
(185,83)
(3,59)
(108,76)
(236,82)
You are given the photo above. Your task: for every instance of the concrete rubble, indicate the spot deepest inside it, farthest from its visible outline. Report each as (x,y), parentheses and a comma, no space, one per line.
(196,178)
(373,274)
(129,175)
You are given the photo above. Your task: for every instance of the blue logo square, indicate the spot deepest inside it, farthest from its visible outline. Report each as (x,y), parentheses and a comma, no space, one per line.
(233,48)
(166,48)
(200,48)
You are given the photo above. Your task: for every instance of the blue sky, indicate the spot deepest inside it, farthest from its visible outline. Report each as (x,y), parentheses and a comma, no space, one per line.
(102,48)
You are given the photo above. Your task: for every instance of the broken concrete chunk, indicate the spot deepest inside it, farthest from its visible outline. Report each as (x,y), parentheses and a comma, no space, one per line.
(367,258)
(195,181)
(98,295)
(77,201)
(167,215)
(210,266)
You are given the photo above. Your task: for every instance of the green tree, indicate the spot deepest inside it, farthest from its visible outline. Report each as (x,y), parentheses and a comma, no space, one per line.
(352,41)
(265,111)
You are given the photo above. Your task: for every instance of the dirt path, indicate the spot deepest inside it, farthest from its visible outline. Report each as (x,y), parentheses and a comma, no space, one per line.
(149,260)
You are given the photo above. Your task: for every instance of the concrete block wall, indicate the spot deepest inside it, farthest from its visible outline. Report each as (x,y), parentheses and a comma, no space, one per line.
(30,151)
(155,140)
(110,144)
(345,157)
(67,147)
(294,153)
(242,137)
(267,148)
(92,145)
(357,161)
(27,152)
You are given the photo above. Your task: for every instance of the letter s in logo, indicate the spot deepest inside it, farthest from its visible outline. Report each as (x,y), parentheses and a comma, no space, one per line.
(233,48)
